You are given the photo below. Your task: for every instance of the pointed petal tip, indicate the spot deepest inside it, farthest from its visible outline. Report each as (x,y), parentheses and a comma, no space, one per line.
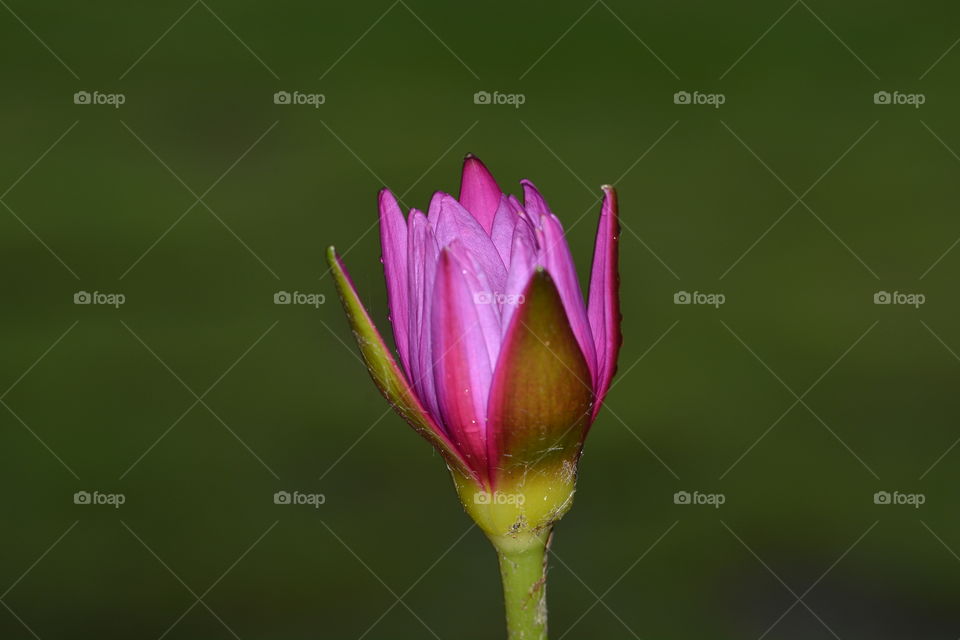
(440,196)
(385,196)
(479,192)
(533,201)
(611,204)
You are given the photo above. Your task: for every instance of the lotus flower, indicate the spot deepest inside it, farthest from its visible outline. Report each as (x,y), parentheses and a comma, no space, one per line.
(502,366)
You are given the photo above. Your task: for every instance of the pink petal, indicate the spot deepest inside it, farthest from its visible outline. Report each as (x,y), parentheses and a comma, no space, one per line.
(555,256)
(433,211)
(523,262)
(393,242)
(533,202)
(501,234)
(423,255)
(462,367)
(485,300)
(604,305)
(454,222)
(479,192)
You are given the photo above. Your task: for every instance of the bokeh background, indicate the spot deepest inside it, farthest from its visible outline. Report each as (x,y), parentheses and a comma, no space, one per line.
(199,198)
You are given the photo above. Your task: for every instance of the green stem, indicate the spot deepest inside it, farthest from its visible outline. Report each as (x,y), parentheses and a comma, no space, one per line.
(523,567)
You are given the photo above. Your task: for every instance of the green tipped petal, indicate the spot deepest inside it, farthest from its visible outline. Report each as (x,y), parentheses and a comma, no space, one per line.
(540,404)
(541,395)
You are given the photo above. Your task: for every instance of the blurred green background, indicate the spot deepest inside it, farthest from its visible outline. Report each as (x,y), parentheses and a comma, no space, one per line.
(199,398)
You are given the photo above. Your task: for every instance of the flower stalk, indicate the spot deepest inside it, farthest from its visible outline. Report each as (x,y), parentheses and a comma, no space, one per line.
(523,569)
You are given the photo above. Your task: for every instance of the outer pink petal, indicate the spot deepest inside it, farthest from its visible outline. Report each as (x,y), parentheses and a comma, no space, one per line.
(393,243)
(555,256)
(479,192)
(461,362)
(604,304)
(454,222)
(423,255)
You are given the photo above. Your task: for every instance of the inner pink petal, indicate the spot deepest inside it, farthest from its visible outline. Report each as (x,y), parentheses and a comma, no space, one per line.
(453,222)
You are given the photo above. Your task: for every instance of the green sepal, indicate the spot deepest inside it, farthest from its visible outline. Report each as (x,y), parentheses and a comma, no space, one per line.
(387,375)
